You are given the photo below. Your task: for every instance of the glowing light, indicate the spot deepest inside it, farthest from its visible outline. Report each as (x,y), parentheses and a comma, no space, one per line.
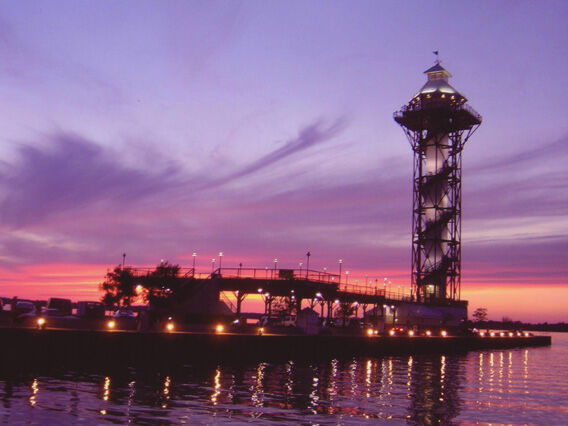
(410,332)
(370,332)
(511,334)
(261,330)
(492,334)
(35,390)
(502,334)
(318,294)
(259,290)
(170,326)
(392,332)
(40,322)
(527,334)
(219,328)
(111,324)
(428,333)
(106,389)
(444,333)
(482,333)
(336,301)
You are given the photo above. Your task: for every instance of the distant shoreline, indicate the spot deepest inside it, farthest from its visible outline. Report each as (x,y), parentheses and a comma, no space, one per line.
(560,327)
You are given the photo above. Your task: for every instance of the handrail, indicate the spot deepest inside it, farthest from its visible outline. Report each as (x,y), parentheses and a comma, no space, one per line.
(277,274)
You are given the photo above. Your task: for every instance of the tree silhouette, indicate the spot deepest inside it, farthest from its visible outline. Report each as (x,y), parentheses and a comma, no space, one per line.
(119,287)
(163,285)
(480,314)
(345,310)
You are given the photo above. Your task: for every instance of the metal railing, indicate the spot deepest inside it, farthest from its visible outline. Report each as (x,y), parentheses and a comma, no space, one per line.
(287,275)
(277,274)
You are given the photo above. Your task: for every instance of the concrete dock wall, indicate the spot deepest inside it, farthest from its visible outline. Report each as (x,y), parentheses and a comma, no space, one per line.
(21,346)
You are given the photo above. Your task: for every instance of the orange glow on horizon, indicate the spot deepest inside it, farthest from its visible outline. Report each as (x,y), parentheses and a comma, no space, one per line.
(523,302)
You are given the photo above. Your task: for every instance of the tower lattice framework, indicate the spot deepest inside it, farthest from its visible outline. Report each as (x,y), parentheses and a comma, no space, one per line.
(438,123)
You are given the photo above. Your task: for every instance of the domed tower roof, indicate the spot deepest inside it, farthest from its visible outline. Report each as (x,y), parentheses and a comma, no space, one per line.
(438,83)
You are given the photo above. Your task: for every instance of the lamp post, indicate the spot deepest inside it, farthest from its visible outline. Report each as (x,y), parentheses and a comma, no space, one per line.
(194,255)
(275,266)
(346,277)
(123,259)
(340,264)
(212,265)
(308,254)
(366,283)
(220,260)
(300,265)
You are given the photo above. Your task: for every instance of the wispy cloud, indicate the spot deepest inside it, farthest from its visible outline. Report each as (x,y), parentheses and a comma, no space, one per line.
(308,137)
(69,173)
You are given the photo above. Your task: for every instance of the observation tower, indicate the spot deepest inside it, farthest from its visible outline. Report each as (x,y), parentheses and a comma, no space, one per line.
(437,122)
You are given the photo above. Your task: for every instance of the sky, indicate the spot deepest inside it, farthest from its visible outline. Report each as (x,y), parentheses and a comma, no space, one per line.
(265,129)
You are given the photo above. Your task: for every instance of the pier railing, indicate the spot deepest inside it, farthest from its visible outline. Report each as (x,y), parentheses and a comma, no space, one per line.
(290,274)
(277,274)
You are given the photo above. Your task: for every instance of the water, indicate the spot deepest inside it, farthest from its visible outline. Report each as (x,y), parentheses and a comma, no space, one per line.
(518,386)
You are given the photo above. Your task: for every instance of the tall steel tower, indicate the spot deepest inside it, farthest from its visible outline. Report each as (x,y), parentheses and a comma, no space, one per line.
(438,123)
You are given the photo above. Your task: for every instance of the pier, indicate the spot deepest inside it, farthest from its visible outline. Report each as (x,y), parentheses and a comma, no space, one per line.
(320,290)
(82,347)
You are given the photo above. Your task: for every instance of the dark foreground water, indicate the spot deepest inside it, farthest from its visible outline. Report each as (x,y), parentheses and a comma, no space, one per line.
(516,386)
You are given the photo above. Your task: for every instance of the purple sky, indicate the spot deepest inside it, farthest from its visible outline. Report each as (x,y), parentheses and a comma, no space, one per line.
(264,129)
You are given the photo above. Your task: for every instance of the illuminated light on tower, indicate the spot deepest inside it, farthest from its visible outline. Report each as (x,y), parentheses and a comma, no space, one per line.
(438,123)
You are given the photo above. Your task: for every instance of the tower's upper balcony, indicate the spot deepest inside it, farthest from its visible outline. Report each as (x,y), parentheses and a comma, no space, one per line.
(437,104)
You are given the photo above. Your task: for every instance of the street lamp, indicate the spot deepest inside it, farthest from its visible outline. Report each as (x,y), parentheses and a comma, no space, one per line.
(220,260)
(346,277)
(340,264)
(194,255)
(308,254)
(212,265)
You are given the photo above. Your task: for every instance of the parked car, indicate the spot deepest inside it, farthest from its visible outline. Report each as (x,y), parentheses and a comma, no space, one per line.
(24,307)
(288,321)
(58,307)
(124,313)
(90,309)
(266,320)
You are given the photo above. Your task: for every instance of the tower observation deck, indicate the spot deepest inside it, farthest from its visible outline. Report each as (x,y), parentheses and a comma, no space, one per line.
(437,122)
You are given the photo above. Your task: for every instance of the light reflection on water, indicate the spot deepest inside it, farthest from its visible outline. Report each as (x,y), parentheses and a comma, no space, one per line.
(506,386)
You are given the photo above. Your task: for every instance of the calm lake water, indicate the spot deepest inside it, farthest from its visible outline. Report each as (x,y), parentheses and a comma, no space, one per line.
(516,386)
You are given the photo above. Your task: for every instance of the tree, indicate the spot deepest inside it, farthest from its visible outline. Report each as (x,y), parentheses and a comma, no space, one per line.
(283,306)
(480,314)
(119,287)
(163,285)
(345,310)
